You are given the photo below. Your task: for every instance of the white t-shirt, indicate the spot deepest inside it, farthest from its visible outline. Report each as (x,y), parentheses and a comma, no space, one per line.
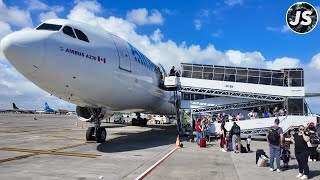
(248,141)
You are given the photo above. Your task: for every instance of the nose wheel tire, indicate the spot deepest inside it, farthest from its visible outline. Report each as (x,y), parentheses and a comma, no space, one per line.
(89,134)
(101,134)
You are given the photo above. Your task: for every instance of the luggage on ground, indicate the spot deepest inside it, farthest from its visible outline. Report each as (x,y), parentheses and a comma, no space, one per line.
(243,149)
(202,142)
(263,161)
(260,152)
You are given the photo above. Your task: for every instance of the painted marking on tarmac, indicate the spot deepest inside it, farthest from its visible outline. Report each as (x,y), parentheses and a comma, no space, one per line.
(17,158)
(149,170)
(63,138)
(50,152)
(68,147)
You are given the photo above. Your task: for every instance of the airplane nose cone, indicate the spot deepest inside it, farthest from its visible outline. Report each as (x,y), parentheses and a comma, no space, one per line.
(24,50)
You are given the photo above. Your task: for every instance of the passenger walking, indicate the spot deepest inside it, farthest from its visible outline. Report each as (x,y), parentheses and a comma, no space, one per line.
(312,146)
(300,140)
(223,137)
(248,142)
(198,131)
(275,139)
(235,135)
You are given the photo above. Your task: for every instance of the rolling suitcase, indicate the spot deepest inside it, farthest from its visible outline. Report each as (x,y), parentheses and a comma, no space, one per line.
(202,141)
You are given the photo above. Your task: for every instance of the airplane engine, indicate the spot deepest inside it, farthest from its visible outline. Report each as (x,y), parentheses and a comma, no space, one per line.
(85,113)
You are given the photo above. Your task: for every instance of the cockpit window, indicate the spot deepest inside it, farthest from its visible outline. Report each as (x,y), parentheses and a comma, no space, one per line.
(49,27)
(68,31)
(81,35)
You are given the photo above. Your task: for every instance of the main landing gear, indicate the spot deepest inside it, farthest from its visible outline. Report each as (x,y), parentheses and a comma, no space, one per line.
(96,133)
(139,121)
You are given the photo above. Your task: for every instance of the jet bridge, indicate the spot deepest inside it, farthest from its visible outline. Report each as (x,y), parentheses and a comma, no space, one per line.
(213,89)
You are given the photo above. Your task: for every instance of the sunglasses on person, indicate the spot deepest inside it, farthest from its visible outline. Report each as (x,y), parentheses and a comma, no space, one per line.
(301,128)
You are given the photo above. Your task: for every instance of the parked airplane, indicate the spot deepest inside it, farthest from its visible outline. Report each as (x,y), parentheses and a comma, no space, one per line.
(48,110)
(92,68)
(17,110)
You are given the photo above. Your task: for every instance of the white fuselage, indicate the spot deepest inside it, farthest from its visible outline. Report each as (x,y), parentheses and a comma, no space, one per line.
(104,72)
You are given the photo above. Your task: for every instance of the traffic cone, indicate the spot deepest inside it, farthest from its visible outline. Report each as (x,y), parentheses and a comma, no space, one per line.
(81,125)
(77,124)
(178,143)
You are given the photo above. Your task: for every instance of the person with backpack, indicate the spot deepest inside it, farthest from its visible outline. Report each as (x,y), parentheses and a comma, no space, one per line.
(235,136)
(300,140)
(275,141)
(313,143)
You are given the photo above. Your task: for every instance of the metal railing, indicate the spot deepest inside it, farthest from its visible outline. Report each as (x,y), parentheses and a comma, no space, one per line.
(284,77)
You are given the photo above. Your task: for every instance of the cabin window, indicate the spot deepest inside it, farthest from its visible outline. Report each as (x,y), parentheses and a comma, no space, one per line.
(49,27)
(68,31)
(81,35)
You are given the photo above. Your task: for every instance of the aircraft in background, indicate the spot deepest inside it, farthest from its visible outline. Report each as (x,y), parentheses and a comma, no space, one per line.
(94,69)
(48,110)
(17,110)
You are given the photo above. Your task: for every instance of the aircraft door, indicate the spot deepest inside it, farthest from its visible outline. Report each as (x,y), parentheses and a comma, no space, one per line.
(124,58)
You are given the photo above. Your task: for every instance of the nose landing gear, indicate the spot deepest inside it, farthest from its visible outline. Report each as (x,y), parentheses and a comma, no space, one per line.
(97,132)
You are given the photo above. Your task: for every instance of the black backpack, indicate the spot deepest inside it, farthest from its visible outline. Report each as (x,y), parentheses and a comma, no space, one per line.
(273,135)
(314,139)
(236,130)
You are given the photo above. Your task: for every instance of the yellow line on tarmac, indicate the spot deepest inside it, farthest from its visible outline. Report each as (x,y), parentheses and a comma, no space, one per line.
(50,152)
(17,158)
(63,138)
(68,147)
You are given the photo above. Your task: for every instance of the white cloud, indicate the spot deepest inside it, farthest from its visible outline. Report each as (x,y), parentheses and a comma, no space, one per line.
(315,62)
(4,30)
(14,15)
(270,28)
(49,15)
(284,62)
(16,88)
(216,34)
(157,36)
(282,29)
(197,24)
(36,5)
(233,2)
(285,28)
(141,17)
(39,5)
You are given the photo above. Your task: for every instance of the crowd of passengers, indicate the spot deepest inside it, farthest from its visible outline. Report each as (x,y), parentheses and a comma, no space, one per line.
(253,114)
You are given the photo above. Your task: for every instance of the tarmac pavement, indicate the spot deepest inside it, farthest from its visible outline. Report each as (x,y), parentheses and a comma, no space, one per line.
(52,147)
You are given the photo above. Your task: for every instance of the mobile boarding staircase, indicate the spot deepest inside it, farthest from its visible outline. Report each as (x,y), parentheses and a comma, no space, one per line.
(223,88)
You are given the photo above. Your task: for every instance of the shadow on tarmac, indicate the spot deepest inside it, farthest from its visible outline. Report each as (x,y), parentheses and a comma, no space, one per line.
(156,136)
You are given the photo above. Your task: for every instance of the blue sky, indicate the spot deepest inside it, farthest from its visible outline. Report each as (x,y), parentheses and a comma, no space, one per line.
(247,25)
(236,32)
